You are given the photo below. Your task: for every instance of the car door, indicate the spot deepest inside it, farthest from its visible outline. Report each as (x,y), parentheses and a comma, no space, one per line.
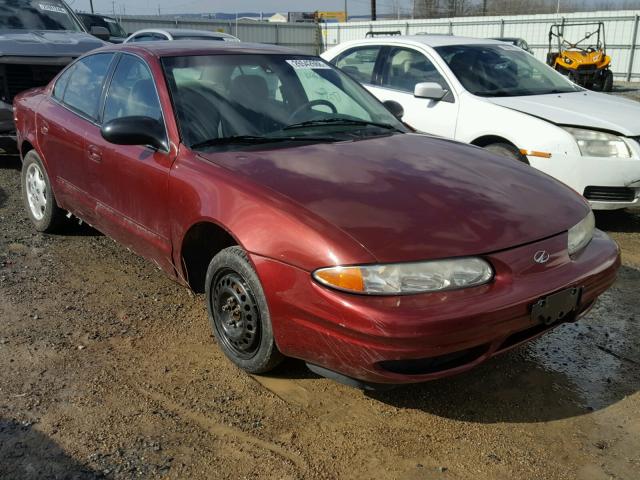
(62,124)
(400,69)
(131,180)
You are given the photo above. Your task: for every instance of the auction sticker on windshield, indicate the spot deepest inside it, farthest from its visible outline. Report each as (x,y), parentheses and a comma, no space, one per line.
(308,64)
(51,8)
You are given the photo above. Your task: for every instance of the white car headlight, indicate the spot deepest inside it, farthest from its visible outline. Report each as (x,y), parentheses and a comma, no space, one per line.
(593,143)
(403,278)
(581,234)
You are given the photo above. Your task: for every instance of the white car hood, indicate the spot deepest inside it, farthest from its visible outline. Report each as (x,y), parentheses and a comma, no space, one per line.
(583,109)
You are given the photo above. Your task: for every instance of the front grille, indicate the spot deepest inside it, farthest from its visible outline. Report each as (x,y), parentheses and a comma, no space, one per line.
(18,78)
(591,68)
(610,194)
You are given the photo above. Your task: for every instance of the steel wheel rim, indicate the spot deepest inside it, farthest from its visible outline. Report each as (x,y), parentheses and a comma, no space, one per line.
(236,314)
(37,194)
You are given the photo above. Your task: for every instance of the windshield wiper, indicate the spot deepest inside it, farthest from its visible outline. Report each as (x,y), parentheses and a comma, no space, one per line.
(340,121)
(256,140)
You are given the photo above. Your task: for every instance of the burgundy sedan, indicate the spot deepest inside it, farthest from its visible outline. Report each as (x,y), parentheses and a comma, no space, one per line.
(318,226)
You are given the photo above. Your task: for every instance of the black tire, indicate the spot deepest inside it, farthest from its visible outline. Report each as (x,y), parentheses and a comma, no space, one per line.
(238,312)
(507,150)
(607,81)
(37,195)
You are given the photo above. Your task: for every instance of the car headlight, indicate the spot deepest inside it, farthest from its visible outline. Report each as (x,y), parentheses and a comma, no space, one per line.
(593,143)
(581,234)
(403,278)
(567,60)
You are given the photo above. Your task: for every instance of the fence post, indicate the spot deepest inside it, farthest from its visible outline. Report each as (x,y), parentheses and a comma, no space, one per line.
(450,27)
(633,47)
(406,28)
(501,27)
(337,34)
(277,33)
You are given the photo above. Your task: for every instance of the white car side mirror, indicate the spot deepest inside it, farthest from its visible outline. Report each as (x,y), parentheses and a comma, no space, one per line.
(431,90)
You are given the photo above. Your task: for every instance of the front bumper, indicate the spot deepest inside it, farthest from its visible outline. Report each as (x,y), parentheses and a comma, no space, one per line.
(394,340)
(581,173)
(7,130)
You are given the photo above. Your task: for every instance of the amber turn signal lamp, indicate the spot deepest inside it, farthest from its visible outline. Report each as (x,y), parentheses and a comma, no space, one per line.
(344,278)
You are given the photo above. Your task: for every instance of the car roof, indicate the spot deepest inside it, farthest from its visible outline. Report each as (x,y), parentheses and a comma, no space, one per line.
(200,47)
(429,40)
(184,31)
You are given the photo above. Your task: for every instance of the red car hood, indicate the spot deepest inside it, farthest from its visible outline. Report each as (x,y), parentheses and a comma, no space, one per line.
(411,197)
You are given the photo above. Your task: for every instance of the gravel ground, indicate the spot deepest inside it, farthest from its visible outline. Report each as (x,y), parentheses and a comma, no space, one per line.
(109,370)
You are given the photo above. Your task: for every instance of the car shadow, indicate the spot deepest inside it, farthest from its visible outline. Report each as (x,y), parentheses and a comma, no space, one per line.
(3,197)
(624,221)
(73,228)
(573,370)
(26,453)
(10,162)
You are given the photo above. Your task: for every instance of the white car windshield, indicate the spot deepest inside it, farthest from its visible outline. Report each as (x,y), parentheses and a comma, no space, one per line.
(502,71)
(252,98)
(37,15)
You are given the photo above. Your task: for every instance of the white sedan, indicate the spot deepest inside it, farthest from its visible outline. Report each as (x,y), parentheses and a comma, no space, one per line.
(495,95)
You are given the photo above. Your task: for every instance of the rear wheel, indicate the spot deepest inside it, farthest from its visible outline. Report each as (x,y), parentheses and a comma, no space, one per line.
(238,312)
(507,150)
(607,81)
(37,195)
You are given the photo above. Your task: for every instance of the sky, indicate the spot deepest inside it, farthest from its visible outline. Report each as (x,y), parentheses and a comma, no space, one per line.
(150,7)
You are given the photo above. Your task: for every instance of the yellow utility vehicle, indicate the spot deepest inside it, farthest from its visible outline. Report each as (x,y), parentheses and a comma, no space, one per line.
(585,62)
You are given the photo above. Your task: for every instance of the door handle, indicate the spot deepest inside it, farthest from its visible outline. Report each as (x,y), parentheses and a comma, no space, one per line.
(95,153)
(44,128)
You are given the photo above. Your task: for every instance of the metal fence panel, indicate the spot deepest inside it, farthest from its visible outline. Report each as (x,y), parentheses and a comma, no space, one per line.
(621,29)
(303,37)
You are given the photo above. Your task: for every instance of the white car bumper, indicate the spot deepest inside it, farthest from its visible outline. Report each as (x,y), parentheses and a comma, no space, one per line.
(608,183)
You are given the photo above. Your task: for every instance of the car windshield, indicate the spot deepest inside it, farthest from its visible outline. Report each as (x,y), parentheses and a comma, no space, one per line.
(37,15)
(114,27)
(502,71)
(228,99)
(197,37)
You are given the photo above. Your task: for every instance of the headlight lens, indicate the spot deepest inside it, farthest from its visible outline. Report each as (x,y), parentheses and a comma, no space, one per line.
(403,278)
(581,234)
(599,144)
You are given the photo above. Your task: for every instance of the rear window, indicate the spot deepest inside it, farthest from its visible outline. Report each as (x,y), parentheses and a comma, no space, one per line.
(37,15)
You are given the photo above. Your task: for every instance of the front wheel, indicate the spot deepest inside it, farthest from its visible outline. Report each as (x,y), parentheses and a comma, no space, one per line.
(507,150)
(37,195)
(238,312)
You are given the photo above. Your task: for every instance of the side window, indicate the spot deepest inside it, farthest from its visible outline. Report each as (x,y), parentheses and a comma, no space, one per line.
(131,92)
(85,83)
(359,63)
(143,37)
(61,83)
(405,68)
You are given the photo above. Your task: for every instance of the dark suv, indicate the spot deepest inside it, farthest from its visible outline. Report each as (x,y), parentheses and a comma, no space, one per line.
(37,39)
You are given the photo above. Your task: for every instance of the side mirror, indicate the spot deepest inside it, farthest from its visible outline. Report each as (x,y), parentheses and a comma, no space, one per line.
(395,108)
(135,131)
(100,32)
(431,90)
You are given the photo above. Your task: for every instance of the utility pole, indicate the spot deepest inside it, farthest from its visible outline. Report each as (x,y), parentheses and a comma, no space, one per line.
(484,7)
(91,5)
(374,16)
(346,14)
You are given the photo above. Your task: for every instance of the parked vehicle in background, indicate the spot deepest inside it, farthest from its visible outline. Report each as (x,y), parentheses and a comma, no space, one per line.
(392,260)
(116,32)
(37,39)
(151,34)
(496,96)
(518,42)
(585,62)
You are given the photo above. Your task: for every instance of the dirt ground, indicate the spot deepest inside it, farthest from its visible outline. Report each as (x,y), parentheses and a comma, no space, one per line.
(108,370)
